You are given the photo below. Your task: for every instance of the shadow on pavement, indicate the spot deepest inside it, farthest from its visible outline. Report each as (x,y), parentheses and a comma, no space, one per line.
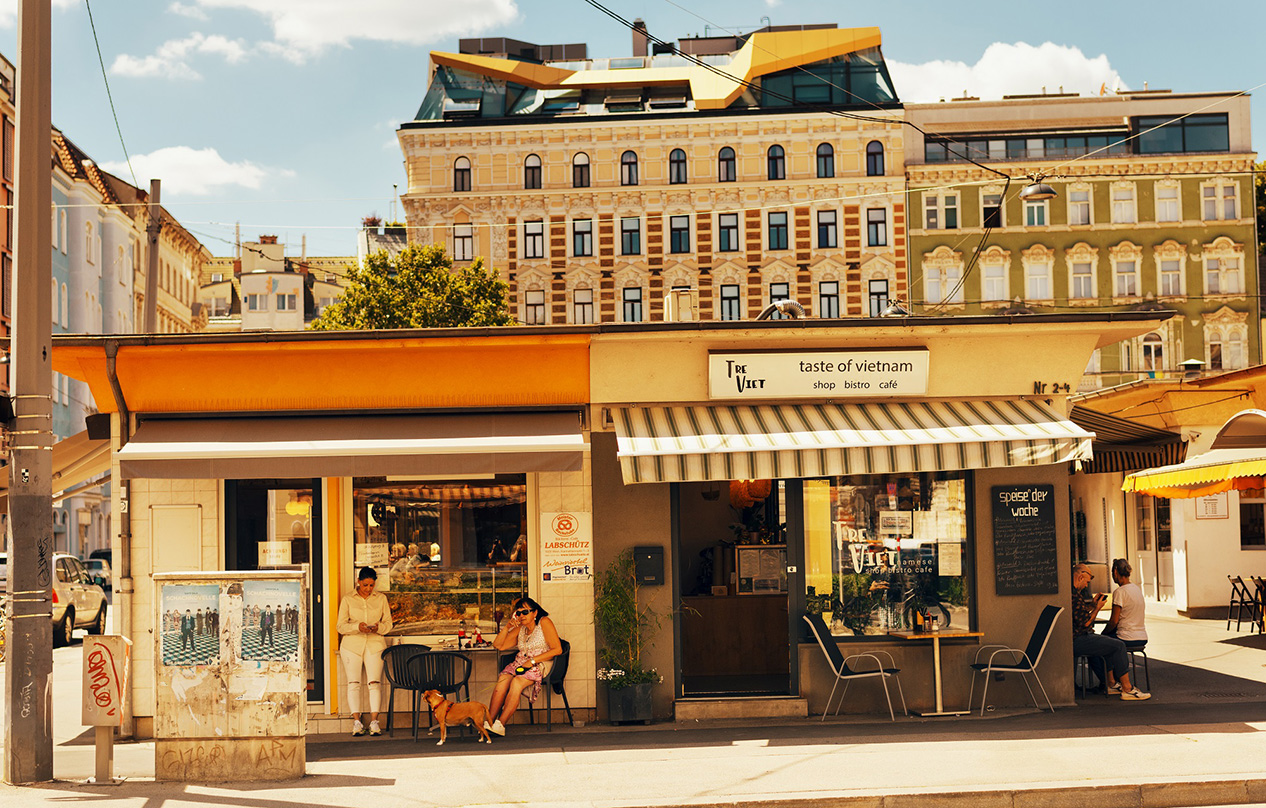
(157,794)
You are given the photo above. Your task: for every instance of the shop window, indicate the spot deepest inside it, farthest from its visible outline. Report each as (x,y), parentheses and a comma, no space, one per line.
(1253,519)
(454,552)
(829,299)
(878,546)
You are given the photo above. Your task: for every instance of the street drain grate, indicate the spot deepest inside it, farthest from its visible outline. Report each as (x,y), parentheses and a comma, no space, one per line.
(1229,695)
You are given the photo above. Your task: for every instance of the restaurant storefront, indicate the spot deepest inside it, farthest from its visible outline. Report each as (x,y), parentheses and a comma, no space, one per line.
(295,450)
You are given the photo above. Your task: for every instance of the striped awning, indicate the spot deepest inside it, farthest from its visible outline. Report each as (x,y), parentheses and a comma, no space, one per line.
(1236,460)
(697,443)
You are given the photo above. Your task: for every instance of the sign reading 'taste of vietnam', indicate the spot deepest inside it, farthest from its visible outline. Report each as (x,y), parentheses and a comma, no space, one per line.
(818,374)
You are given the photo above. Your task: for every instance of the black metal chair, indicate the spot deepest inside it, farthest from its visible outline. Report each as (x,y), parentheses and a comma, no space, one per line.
(1259,603)
(1133,647)
(1024,661)
(553,683)
(1241,599)
(395,666)
(447,672)
(844,672)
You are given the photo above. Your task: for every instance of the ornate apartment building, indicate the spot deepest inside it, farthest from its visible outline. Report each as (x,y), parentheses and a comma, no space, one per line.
(644,188)
(1154,210)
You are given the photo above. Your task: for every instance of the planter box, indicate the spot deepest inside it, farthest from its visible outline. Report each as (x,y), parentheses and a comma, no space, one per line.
(632,703)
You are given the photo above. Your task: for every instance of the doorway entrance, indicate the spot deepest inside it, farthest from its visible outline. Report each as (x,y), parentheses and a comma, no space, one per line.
(734,632)
(277,524)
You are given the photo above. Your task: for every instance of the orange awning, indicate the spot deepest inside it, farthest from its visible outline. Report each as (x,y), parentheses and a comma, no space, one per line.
(1213,472)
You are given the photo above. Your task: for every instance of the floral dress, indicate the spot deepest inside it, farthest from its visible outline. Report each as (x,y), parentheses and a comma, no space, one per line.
(530,645)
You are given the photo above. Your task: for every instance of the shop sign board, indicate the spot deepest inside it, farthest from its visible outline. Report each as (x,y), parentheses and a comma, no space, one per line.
(566,546)
(818,374)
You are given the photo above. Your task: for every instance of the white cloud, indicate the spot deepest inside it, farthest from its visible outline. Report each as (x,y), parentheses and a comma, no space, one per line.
(303,28)
(1006,69)
(9,10)
(171,58)
(197,172)
(188,11)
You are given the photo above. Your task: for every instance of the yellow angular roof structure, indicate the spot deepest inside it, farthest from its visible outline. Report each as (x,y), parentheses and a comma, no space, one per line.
(764,53)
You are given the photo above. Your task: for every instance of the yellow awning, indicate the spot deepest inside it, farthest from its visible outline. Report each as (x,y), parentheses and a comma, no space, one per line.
(1213,472)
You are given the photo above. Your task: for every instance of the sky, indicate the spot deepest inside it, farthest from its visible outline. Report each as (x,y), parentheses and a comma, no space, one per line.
(280,115)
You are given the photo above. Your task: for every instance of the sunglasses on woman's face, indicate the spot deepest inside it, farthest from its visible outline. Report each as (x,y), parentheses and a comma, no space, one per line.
(523,612)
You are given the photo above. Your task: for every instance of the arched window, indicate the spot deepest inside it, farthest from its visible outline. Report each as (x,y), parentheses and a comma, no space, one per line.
(1153,352)
(628,168)
(874,159)
(461,174)
(826,161)
(725,165)
(65,296)
(580,171)
(532,172)
(777,160)
(677,167)
(88,242)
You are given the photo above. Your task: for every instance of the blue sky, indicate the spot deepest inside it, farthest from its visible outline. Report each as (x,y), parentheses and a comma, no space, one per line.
(280,114)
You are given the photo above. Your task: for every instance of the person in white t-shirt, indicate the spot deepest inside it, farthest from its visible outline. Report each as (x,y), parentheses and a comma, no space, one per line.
(1126,622)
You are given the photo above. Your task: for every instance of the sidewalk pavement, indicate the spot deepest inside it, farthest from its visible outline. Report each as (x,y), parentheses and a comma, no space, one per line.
(1196,742)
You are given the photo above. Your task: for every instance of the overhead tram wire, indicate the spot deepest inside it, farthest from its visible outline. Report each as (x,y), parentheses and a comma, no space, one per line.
(101,60)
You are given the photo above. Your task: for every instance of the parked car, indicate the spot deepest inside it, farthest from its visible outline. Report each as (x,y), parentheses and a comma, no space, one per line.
(99,571)
(77,601)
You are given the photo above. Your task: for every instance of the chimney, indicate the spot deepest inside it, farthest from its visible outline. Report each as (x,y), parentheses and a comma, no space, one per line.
(639,37)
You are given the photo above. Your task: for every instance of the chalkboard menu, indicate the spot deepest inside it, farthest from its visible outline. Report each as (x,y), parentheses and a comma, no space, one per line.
(1025,553)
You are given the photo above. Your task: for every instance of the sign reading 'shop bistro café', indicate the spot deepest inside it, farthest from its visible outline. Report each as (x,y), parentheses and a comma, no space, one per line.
(818,374)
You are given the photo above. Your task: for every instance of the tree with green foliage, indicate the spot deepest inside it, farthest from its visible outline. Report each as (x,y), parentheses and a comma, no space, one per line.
(417,288)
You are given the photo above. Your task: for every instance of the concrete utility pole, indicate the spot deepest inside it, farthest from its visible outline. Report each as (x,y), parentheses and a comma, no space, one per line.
(151,271)
(28,729)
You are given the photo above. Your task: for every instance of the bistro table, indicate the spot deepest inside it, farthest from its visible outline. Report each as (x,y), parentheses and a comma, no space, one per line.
(935,637)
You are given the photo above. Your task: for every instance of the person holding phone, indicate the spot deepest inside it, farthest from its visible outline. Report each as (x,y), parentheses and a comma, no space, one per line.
(364,618)
(532,632)
(1103,651)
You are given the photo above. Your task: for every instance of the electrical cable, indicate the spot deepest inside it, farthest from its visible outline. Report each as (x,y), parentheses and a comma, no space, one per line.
(109,96)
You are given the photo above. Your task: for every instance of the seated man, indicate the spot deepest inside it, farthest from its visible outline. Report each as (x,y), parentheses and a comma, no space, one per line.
(1100,648)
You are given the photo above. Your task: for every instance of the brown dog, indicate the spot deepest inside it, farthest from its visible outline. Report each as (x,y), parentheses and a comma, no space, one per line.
(452,714)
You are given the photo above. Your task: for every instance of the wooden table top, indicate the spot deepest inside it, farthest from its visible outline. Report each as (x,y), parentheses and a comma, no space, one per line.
(905,634)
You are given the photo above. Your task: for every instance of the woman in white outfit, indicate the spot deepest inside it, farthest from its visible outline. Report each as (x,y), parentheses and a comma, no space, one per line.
(1128,606)
(364,619)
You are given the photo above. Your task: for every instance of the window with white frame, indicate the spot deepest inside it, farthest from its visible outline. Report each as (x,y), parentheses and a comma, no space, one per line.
(777,239)
(287,302)
(877,296)
(1037,279)
(461,174)
(1220,200)
(780,290)
(993,283)
(463,242)
(829,299)
(1035,212)
(1153,352)
(88,239)
(731,303)
(1170,277)
(630,235)
(631,297)
(728,232)
(61,228)
(1213,350)
(1123,208)
(582,238)
(1126,276)
(256,302)
(940,211)
(679,234)
(532,172)
(1127,354)
(876,227)
(65,295)
(1168,203)
(1082,280)
(582,306)
(534,239)
(534,307)
(628,168)
(1223,276)
(580,170)
(1235,356)
(827,234)
(1078,206)
(941,284)
(991,209)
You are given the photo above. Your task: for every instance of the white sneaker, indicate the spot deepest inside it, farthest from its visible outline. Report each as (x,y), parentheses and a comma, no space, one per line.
(358,729)
(373,728)
(497,728)
(1135,695)
(1114,689)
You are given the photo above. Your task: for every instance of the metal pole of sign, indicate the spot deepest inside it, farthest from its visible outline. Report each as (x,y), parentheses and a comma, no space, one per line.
(28,695)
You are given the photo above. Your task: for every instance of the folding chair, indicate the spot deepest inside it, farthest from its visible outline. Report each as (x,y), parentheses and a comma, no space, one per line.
(1241,599)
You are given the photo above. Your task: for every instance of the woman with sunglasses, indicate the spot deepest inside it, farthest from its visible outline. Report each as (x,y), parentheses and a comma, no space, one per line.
(530,630)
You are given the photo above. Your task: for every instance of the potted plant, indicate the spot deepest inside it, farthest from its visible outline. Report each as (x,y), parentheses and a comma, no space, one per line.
(626,625)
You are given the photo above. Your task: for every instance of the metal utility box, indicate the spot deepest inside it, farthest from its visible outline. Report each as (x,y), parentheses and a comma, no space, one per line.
(648,564)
